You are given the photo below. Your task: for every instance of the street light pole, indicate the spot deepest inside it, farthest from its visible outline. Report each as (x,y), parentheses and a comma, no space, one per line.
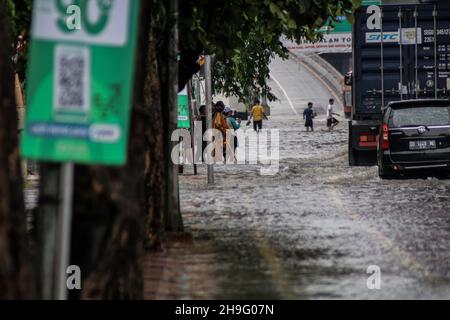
(193,115)
(208,93)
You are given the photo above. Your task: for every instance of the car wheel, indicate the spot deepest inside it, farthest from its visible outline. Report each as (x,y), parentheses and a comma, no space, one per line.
(353,159)
(385,173)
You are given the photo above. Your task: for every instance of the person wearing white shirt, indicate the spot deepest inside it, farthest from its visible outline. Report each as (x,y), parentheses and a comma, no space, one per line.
(331,121)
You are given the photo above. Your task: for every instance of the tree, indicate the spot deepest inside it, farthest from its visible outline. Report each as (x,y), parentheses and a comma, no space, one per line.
(115,204)
(16,267)
(109,213)
(112,205)
(20,19)
(245,35)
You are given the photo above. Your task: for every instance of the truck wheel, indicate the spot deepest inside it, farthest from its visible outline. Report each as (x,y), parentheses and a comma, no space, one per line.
(352,154)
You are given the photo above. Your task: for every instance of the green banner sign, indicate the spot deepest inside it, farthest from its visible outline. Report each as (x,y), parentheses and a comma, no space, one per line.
(184,120)
(342,25)
(80,81)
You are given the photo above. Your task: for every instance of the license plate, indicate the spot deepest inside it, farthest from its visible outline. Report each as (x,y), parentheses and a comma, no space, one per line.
(422,145)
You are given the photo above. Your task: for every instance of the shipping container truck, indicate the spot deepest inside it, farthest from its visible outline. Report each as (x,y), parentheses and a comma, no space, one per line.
(400,52)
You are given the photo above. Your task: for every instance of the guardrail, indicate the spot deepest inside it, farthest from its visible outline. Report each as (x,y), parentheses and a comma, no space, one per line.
(324,71)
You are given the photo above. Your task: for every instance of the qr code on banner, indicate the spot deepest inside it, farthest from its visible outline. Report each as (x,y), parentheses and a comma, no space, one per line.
(72,79)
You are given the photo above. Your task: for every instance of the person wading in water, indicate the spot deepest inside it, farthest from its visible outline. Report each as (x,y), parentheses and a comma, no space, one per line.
(308,116)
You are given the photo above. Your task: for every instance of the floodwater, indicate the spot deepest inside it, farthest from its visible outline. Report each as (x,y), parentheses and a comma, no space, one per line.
(312,230)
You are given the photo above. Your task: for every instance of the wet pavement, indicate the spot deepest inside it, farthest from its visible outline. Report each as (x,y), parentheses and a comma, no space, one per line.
(312,230)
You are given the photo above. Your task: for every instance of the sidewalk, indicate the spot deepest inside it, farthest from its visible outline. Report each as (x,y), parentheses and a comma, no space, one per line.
(183,270)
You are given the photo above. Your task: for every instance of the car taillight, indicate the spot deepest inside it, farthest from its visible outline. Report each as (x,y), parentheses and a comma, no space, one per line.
(385,137)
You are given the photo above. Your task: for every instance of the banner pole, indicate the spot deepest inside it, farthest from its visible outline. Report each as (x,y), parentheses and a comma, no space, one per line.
(64,231)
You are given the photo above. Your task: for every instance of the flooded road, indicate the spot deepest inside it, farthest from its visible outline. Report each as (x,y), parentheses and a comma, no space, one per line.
(312,230)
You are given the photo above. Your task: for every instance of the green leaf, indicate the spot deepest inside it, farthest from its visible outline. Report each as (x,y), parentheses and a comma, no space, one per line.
(292,24)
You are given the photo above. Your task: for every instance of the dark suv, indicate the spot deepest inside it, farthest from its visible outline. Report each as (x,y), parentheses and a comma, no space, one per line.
(414,137)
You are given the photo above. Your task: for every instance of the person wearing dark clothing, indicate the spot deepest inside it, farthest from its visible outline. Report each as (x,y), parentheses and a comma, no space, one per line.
(308,116)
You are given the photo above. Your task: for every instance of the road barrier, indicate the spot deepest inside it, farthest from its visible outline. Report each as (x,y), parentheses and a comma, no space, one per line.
(324,71)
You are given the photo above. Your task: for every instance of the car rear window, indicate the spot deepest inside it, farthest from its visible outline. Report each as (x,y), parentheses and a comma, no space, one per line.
(420,116)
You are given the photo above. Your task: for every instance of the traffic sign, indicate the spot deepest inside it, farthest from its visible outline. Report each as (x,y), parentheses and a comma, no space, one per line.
(183,110)
(80,81)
